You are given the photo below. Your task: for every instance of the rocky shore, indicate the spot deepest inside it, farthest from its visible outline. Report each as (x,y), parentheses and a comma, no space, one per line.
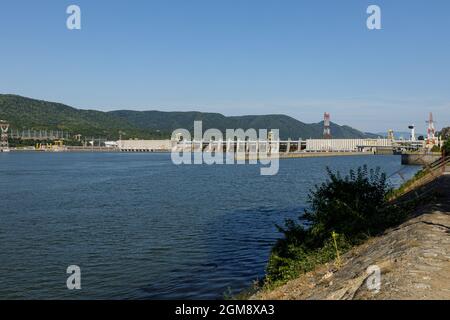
(413,260)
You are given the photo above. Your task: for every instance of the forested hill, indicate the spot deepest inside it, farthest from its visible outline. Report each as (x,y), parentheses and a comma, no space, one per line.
(28,113)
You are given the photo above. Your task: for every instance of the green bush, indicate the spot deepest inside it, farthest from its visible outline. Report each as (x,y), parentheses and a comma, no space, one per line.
(435,149)
(446,148)
(354,206)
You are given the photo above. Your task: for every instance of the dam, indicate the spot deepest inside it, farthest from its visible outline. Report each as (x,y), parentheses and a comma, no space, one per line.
(371,146)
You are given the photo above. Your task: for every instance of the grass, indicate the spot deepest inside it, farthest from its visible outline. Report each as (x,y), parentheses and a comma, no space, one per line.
(395,193)
(301,260)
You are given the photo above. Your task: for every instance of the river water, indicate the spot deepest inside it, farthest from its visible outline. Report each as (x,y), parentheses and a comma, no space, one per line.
(140,227)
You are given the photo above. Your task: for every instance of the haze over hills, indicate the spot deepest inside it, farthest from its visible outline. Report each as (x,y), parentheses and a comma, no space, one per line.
(27,113)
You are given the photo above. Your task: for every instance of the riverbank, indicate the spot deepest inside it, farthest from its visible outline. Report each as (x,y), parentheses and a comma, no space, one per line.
(247,157)
(414,258)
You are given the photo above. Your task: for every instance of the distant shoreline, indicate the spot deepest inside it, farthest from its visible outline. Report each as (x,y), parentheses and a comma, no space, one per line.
(282,155)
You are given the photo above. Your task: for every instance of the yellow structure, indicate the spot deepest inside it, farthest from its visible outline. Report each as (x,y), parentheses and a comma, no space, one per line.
(57,146)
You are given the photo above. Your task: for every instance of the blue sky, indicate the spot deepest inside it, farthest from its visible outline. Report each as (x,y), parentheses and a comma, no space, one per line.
(235,57)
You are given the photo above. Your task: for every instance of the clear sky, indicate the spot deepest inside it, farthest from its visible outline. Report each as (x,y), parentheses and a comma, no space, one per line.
(235,57)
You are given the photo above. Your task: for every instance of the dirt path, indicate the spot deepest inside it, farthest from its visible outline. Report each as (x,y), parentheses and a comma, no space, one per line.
(414,260)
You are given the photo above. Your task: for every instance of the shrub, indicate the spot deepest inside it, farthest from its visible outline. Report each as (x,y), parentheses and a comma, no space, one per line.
(445,133)
(435,149)
(446,148)
(354,206)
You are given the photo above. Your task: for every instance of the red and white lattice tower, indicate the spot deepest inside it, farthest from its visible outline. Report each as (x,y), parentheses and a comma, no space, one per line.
(326,126)
(431,132)
(4,126)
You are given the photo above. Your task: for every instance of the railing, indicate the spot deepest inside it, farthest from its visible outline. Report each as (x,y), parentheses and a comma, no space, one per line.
(440,163)
(430,173)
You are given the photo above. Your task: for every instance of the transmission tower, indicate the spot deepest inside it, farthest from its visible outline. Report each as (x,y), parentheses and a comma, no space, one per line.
(326,126)
(431,131)
(4,127)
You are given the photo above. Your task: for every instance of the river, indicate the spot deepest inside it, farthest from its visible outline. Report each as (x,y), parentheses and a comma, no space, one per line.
(141,227)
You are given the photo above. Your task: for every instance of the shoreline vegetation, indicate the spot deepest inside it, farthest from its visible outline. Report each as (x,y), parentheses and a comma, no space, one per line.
(345,212)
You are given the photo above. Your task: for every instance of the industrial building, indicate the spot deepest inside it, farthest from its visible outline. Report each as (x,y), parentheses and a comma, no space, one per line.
(144,145)
(346,145)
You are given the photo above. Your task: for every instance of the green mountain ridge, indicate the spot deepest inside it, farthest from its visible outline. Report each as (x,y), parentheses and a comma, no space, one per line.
(27,113)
